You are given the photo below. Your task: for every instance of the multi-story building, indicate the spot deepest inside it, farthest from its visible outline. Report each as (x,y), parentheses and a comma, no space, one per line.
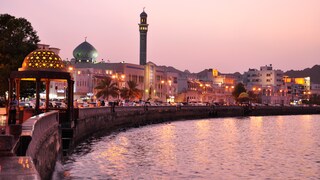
(265,77)
(296,89)
(266,83)
(207,86)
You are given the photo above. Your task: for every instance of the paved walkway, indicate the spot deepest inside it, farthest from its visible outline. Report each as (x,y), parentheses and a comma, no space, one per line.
(18,168)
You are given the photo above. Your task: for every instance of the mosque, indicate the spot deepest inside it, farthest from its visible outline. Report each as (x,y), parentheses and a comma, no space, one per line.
(156,82)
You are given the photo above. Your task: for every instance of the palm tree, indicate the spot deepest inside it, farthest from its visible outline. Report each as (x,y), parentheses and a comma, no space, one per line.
(107,88)
(131,92)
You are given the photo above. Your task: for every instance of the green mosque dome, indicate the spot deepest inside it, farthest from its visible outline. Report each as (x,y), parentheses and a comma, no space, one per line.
(85,52)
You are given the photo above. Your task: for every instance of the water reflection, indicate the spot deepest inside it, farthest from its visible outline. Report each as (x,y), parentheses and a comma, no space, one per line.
(275,147)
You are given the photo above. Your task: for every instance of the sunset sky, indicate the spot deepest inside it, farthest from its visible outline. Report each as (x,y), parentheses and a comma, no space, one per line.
(232,35)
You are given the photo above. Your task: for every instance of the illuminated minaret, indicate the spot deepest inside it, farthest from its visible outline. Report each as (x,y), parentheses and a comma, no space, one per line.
(143,28)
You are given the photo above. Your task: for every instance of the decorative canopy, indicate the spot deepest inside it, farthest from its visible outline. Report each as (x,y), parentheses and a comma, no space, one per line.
(42,60)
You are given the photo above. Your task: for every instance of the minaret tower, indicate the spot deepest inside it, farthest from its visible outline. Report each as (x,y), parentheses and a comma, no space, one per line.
(143,28)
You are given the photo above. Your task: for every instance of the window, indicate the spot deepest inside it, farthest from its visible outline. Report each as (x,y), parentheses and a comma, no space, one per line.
(141,79)
(135,78)
(175,80)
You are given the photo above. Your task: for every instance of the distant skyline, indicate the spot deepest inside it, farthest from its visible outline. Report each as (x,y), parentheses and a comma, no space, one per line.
(231,36)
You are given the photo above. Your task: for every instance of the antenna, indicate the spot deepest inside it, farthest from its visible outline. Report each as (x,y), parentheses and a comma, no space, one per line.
(85,38)
(143,8)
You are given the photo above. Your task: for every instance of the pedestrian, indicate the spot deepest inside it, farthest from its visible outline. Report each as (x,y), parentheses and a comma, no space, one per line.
(75,104)
(13,110)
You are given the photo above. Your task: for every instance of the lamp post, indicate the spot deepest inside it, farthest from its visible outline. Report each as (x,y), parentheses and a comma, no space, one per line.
(165,92)
(168,93)
(257,91)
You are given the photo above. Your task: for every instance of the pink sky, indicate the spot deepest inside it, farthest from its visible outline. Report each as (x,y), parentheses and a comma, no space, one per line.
(231,36)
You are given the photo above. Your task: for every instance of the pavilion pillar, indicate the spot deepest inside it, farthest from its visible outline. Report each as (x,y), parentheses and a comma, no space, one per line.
(47,94)
(10,93)
(10,89)
(70,99)
(17,81)
(38,84)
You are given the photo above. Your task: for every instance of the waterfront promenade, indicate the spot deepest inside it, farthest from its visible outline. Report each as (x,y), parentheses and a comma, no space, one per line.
(43,130)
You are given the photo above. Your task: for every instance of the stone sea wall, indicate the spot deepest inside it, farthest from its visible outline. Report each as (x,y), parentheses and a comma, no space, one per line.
(42,140)
(92,120)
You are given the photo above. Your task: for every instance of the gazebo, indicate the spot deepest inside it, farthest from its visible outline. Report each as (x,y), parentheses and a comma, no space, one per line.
(44,66)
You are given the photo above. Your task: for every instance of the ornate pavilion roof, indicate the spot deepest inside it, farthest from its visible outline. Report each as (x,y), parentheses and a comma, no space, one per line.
(42,60)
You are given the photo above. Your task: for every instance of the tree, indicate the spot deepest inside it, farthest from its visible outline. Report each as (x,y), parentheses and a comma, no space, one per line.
(238,90)
(107,88)
(17,40)
(131,92)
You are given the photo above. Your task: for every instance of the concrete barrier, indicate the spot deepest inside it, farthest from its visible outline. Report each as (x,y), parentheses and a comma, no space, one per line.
(41,140)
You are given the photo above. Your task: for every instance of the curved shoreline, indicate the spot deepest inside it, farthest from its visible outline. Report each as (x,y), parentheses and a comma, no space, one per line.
(92,120)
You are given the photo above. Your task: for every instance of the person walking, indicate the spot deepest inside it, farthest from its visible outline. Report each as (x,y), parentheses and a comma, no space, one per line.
(13,110)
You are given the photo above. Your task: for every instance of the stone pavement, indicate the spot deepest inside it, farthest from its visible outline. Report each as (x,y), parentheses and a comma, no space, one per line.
(18,168)
(11,166)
